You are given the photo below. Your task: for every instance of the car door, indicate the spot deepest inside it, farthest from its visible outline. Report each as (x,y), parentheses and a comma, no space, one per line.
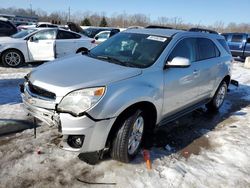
(41,45)
(208,63)
(181,85)
(66,43)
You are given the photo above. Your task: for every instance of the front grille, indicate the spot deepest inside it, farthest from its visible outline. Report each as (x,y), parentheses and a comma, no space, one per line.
(41,92)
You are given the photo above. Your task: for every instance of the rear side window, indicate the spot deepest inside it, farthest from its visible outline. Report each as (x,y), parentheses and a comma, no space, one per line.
(5,26)
(237,38)
(207,49)
(226,36)
(185,48)
(67,35)
(224,45)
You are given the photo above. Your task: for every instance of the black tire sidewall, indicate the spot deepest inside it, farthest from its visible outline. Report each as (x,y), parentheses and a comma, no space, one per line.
(130,131)
(212,104)
(119,150)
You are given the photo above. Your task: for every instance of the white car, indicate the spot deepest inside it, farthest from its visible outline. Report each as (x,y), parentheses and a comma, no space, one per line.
(101,37)
(41,45)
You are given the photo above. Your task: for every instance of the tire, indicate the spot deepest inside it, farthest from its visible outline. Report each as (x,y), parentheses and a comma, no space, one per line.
(12,58)
(218,98)
(127,141)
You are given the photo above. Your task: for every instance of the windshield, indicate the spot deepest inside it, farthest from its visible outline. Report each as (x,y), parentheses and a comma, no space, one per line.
(23,33)
(131,49)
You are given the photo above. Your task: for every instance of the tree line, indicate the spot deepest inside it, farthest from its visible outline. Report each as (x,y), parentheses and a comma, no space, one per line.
(87,18)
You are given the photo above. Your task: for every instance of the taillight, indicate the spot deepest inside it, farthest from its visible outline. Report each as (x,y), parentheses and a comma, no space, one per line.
(93,41)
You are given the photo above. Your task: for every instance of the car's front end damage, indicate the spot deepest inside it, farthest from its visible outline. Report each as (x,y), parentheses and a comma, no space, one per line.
(81,132)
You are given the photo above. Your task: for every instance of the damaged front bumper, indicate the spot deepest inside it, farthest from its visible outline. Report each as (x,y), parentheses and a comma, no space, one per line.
(94,132)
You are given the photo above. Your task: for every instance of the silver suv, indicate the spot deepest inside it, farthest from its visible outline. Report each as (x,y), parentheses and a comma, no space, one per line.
(112,97)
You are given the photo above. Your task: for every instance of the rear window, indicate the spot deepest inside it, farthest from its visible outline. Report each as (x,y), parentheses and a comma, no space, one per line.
(237,38)
(224,45)
(67,35)
(207,49)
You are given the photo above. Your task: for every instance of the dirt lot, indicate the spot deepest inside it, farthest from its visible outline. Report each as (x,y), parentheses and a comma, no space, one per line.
(199,150)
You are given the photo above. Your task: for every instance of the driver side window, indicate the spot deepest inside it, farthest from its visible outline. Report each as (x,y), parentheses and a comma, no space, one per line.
(186,48)
(45,35)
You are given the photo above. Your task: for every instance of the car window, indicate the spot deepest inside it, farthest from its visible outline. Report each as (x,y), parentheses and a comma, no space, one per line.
(23,33)
(42,25)
(224,45)
(67,35)
(237,38)
(51,26)
(104,35)
(131,49)
(5,26)
(248,40)
(207,49)
(226,36)
(185,48)
(45,35)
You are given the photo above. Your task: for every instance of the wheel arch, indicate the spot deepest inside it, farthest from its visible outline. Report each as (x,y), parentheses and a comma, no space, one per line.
(150,113)
(8,49)
(81,49)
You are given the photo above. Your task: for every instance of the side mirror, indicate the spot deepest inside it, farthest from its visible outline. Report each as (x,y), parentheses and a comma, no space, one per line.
(32,39)
(96,37)
(178,62)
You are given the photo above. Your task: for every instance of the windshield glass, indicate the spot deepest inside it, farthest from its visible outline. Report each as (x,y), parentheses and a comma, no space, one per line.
(23,33)
(131,49)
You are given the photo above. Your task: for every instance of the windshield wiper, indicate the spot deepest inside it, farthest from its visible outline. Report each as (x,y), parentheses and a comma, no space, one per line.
(115,60)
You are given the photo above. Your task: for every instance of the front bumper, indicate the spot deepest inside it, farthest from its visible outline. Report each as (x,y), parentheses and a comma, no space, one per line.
(95,132)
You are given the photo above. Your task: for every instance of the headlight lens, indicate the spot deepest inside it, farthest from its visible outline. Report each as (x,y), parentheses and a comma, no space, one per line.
(79,101)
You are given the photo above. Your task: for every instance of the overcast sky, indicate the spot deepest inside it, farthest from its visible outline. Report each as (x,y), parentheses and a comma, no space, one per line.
(191,11)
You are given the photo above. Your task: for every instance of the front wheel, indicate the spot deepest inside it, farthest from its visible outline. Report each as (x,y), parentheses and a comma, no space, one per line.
(12,58)
(218,98)
(128,139)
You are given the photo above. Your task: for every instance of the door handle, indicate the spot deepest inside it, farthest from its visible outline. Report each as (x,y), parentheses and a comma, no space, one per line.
(196,73)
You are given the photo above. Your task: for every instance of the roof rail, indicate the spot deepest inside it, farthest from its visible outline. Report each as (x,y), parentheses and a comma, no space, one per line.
(157,27)
(203,30)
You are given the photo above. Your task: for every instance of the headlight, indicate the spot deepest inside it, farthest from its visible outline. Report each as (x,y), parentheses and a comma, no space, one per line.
(79,101)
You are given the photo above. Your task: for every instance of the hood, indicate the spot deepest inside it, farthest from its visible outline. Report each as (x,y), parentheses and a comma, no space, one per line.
(8,40)
(78,71)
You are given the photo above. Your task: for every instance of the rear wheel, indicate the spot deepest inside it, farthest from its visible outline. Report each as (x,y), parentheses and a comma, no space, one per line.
(128,139)
(12,58)
(218,98)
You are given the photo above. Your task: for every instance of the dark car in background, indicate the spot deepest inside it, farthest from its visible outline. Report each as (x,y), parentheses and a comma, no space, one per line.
(239,44)
(7,28)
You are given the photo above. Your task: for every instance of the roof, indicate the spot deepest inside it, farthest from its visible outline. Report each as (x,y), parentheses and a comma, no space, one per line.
(171,32)
(159,32)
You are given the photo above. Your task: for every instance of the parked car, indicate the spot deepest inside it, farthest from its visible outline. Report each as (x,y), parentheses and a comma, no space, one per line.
(239,44)
(38,25)
(115,95)
(92,32)
(6,27)
(41,45)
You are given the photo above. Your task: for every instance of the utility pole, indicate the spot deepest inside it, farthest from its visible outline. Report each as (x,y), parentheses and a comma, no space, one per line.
(30,9)
(69,14)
